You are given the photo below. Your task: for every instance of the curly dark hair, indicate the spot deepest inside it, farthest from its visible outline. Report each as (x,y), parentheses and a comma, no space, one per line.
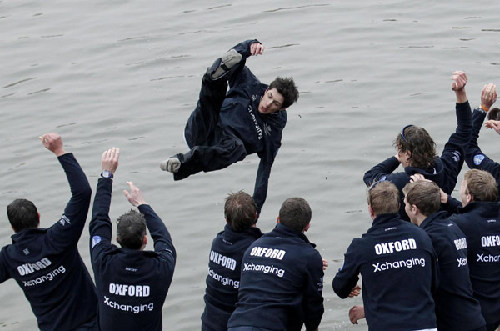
(286,87)
(419,143)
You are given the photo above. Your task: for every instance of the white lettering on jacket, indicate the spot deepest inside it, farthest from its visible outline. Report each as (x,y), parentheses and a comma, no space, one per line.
(129,290)
(29,268)
(460,243)
(398,246)
(224,261)
(271,253)
(490,241)
(257,127)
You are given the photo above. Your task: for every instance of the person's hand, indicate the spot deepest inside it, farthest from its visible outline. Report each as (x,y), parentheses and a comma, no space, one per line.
(256,48)
(356,313)
(459,81)
(109,160)
(488,96)
(492,124)
(135,195)
(418,177)
(355,291)
(53,142)
(325,264)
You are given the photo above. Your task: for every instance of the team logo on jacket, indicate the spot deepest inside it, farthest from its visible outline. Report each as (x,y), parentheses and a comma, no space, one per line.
(478,159)
(267,129)
(456,156)
(96,240)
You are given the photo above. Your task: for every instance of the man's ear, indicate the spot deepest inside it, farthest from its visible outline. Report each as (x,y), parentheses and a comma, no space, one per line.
(277,219)
(370,211)
(38,220)
(144,241)
(469,197)
(307,227)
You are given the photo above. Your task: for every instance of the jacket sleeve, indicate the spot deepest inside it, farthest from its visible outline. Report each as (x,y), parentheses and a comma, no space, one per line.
(100,226)
(264,170)
(241,75)
(347,276)
(475,158)
(161,237)
(313,298)
(452,205)
(382,169)
(68,229)
(453,155)
(4,274)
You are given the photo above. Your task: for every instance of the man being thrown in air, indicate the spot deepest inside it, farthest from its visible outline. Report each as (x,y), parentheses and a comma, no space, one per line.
(227,125)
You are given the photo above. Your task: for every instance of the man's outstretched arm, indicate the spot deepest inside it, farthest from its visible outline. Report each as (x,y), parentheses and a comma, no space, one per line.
(162,240)
(475,158)
(68,229)
(100,226)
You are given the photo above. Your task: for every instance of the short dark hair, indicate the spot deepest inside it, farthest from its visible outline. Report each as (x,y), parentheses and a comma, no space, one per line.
(240,211)
(417,141)
(494,114)
(131,229)
(286,87)
(481,185)
(425,195)
(295,213)
(22,214)
(383,197)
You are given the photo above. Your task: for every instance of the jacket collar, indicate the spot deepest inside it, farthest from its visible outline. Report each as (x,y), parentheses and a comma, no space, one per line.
(436,217)
(285,231)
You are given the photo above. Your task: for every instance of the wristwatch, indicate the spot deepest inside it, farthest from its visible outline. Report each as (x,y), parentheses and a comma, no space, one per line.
(107,174)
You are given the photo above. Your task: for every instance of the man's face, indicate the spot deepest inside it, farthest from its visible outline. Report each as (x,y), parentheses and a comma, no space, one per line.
(271,102)
(404,157)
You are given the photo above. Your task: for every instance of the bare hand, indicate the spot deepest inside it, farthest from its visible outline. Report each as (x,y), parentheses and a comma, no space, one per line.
(355,291)
(488,95)
(492,124)
(256,48)
(53,142)
(135,195)
(356,313)
(109,160)
(325,264)
(418,177)
(459,81)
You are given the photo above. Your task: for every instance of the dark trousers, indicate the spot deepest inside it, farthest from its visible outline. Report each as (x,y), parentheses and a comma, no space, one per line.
(211,148)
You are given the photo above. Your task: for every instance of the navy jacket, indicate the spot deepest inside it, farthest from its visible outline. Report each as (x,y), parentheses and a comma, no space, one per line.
(480,221)
(445,170)
(46,263)
(239,117)
(475,158)
(224,271)
(399,272)
(281,283)
(131,284)
(456,309)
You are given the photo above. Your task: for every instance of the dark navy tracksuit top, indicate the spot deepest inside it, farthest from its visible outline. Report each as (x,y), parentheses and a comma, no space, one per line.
(223,279)
(456,309)
(399,273)
(131,284)
(480,221)
(46,263)
(240,130)
(281,284)
(474,157)
(445,169)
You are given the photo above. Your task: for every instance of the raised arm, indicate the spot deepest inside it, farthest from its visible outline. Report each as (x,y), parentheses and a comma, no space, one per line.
(161,237)
(100,226)
(68,229)
(240,73)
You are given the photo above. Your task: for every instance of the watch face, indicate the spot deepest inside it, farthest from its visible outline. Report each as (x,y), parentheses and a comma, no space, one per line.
(106,174)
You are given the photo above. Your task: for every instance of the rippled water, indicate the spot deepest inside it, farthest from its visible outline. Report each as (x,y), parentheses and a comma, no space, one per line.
(127,74)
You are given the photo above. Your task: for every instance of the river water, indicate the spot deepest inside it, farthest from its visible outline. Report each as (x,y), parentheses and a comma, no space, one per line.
(127,74)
